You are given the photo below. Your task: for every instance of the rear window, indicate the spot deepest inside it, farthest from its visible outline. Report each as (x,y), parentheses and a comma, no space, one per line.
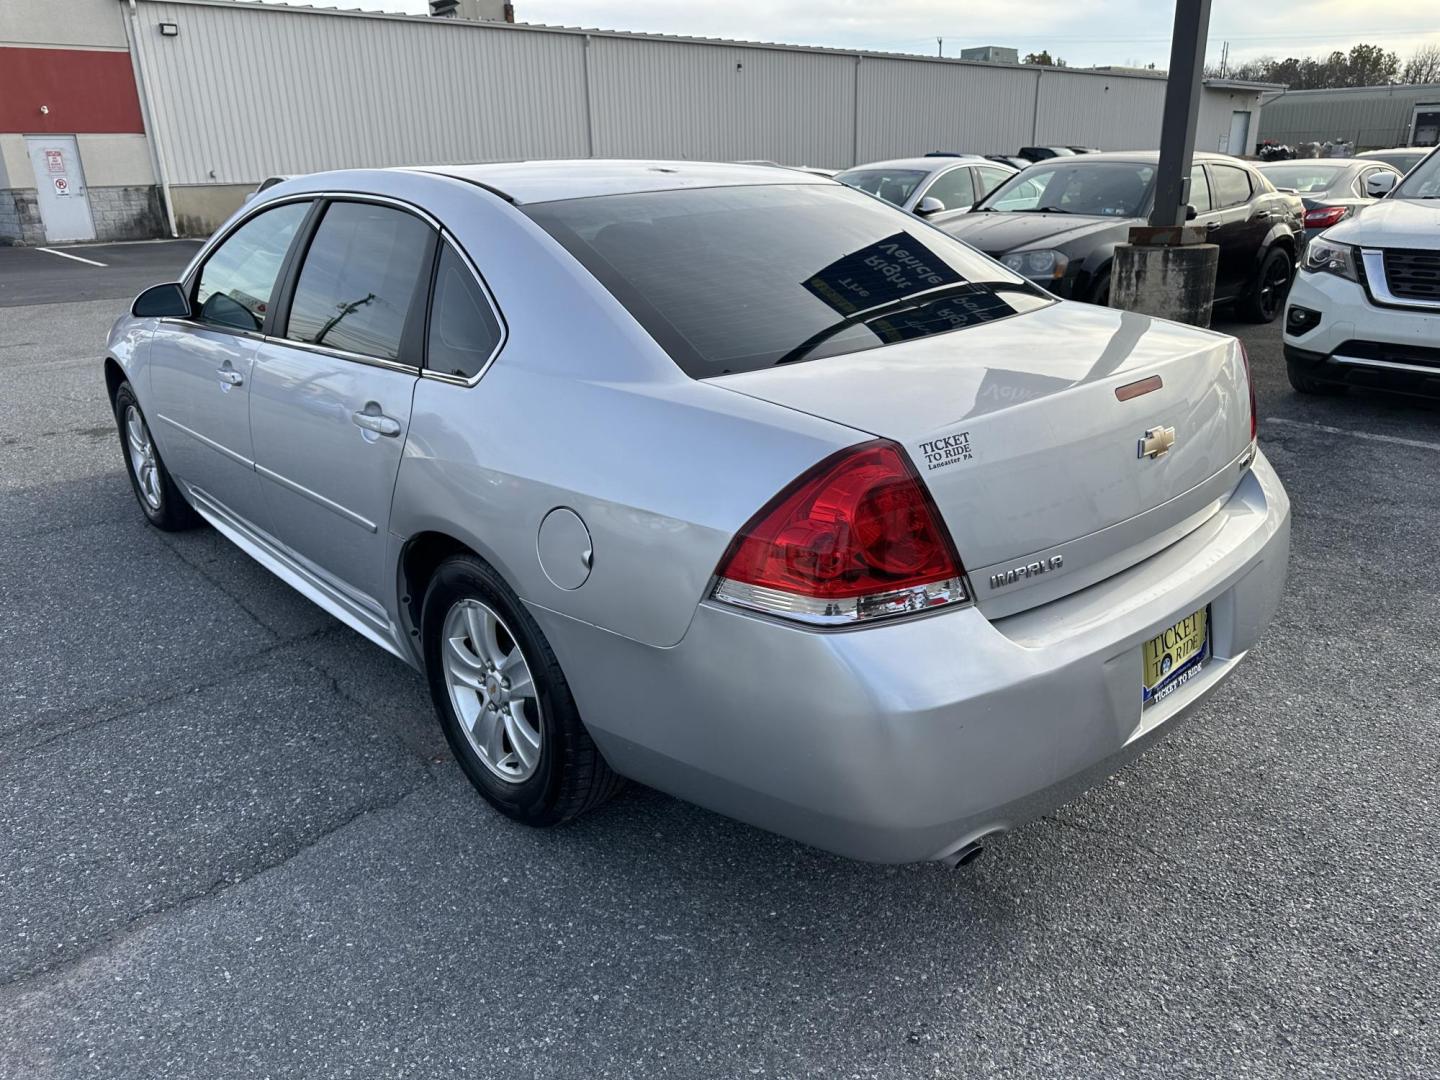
(1305,177)
(734,279)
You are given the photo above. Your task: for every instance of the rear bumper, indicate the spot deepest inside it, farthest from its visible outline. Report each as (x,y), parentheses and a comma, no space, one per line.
(1359,343)
(906,741)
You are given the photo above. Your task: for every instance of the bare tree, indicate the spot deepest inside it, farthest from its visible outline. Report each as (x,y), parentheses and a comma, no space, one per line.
(1423,65)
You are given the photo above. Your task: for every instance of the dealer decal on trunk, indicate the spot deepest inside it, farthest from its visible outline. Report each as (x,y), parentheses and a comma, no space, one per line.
(947,450)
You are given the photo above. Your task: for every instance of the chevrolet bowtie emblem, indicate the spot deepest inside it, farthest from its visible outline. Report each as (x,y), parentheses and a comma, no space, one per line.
(1157,442)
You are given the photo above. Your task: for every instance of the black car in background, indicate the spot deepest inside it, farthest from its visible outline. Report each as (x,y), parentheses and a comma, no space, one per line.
(1058,223)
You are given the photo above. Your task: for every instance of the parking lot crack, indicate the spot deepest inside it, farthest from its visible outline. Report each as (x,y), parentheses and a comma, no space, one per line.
(32,977)
(242,668)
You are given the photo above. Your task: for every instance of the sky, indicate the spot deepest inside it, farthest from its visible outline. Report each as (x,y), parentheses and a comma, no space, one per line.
(1082,32)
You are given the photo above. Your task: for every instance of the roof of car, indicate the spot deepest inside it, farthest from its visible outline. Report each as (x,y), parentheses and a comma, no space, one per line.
(1337,161)
(921,164)
(547,181)
(1143,157)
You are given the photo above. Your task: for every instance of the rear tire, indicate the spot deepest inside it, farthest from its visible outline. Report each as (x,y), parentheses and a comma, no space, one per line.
(155,490)
(1305,383)
(503,701)
(1266,298)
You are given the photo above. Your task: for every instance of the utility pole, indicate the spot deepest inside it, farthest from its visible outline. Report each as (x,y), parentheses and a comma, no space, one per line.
(939,46)
(1182,110)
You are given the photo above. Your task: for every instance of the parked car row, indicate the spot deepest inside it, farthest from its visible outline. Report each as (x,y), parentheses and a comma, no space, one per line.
(1043,531)
(1365,308)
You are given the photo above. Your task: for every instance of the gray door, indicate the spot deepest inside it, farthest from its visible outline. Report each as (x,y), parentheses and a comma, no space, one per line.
(1239,133)
(201,367)
(60,188)
(330,404)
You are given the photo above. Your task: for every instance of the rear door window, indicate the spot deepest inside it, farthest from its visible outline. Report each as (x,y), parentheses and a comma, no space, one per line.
(1232,185)
(236,283)
(463,330)
(1199,190)
(363,273)
(987,179)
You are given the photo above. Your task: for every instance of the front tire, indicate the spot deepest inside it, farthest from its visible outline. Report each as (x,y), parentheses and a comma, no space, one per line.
(503,701)
(1266,298)
(155,490)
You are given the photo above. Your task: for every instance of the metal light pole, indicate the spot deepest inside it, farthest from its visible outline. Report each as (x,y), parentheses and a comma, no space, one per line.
(1167,269)
(1182,109)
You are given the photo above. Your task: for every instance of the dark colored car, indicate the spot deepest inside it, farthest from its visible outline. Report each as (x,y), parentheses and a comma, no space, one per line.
(1331,189)
(1058,223)
(1013,160)
(1044,153)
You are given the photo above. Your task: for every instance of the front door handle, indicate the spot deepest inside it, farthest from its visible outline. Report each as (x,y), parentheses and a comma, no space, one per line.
(377,422)
(231,376)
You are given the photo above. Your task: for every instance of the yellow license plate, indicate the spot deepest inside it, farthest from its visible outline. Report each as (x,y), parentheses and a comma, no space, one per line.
(1173,658)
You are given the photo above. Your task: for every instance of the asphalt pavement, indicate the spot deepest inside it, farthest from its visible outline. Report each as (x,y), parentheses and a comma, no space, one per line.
(236,844)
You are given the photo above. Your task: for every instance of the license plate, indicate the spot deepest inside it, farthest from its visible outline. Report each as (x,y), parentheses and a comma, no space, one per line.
(1175,657)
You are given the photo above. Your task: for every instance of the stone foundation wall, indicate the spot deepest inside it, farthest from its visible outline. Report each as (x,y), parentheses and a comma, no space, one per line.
(119,213)
(20,217)
(127,213)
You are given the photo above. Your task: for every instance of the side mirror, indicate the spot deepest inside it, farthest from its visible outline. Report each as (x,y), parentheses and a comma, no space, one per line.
(929,205)
(1190,214)
(1380,184)
(166,301)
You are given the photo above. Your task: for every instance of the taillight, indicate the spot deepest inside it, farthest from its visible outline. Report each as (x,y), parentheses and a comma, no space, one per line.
(1250,382)
(1322,217)
(853,539)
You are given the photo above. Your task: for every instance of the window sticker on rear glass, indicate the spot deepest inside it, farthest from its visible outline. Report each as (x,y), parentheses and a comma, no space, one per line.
(947,450)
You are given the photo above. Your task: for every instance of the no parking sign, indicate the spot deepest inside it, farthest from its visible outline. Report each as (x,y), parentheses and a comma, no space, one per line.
(62,185)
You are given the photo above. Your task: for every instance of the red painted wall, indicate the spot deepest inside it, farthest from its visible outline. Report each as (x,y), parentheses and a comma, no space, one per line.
(87,91)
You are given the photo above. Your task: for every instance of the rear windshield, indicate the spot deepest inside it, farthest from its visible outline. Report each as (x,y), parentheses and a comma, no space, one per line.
(733,279)
(893,185)
(1303,178)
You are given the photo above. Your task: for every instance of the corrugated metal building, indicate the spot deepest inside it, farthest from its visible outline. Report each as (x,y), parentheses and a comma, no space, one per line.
(236,91)
(1372,117)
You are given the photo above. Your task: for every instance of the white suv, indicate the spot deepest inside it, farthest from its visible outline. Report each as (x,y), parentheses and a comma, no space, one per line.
(1365,307)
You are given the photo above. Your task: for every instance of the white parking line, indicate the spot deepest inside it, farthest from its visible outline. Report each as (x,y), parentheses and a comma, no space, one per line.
(67,255)
(1367,435)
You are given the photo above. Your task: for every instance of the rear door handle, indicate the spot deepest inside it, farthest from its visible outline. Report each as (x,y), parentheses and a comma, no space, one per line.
(1263,215)
(1211,226)
(231,376)
(377,422)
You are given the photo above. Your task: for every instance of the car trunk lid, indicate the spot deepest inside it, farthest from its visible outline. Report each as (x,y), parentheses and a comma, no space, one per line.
(1042,437)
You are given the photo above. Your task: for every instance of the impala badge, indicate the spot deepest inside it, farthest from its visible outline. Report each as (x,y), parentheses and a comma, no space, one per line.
(1157,442)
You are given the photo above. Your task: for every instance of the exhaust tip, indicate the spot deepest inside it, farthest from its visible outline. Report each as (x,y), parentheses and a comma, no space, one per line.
(964,855)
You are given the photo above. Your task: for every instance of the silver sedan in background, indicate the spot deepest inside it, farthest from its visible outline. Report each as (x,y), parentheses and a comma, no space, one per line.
(731,480)
(936,187)
(1331,189)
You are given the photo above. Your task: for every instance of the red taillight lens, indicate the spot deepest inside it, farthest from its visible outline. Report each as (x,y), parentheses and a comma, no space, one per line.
(1250,382)
(1322,217)
(855,538)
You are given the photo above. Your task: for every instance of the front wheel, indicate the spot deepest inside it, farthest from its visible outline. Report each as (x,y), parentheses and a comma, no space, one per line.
(1266,298)
(156,492)
(503,701)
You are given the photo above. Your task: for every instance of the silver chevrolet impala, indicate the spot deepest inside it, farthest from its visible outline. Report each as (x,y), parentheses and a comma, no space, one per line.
(727,479)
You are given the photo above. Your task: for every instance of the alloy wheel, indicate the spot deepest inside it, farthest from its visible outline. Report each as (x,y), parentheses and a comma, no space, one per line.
(1274,288)
(142,457)
(492,690)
